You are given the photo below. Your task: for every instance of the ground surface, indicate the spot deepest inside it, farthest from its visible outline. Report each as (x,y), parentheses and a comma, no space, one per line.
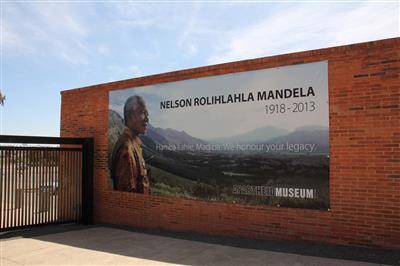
(113,246)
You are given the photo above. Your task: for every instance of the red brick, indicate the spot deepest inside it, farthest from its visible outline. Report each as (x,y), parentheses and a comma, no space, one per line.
(364,137)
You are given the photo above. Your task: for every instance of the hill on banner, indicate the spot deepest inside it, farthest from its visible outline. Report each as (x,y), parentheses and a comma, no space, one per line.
(210,174)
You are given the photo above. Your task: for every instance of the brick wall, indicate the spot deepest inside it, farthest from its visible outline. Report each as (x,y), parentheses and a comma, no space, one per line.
(364,96)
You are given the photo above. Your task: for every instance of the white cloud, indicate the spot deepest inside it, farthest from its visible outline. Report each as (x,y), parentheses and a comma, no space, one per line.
(187,39)
(145,22)
(46,29)
(309,26)
(190,50)
(179,21)
(141,15)
(118,72)
(104,49)
(135,71)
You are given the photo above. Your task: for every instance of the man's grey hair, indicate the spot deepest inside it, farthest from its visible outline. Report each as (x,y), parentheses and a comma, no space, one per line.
(131,104)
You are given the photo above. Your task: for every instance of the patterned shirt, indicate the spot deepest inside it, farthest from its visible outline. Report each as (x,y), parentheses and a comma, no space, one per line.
(128,169)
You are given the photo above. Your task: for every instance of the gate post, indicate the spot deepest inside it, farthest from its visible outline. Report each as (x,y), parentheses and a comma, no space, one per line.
(87,181)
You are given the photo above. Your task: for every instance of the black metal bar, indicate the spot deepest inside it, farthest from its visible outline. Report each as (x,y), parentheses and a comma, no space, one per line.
(2,178)
(25,190)
(29,188)
(74,181)
(17,203)
(87,184)
(57,180)
(37,225)
(60,183)
(36,190)
(39,140)
(47,187)
(54,194)
(22,188)
(16,183)
(12,181)
(9,187)
(52,189)
(79,185)
(61,186)
(10,190)
(73,186)
(32,174)
(44,185)
(56,183)
(14,186)
(18,193)
(19,189)
(33,186)
(41,182)
(1,189)
(65,180)
(52,186)
(67,186)
(16,148)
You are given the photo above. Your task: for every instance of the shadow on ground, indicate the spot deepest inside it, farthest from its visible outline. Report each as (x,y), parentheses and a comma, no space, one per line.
(179,248)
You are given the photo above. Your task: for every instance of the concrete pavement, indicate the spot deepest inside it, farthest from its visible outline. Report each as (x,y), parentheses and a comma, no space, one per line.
(112,246)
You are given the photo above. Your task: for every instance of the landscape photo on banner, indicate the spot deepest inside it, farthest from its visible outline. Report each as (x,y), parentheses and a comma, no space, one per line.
(254,137)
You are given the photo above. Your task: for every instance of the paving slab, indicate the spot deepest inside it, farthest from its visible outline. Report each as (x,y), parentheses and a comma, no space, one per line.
(113,246)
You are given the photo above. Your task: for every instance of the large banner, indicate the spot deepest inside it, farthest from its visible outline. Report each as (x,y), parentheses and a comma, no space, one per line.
(255,137)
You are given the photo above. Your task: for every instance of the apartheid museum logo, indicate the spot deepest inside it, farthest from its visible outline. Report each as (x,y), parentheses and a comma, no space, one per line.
(254,137)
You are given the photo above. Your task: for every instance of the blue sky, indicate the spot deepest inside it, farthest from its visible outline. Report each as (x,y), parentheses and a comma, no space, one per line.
(48,46)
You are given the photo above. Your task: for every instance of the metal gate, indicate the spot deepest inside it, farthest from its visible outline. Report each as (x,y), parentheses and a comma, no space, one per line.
(45,184)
